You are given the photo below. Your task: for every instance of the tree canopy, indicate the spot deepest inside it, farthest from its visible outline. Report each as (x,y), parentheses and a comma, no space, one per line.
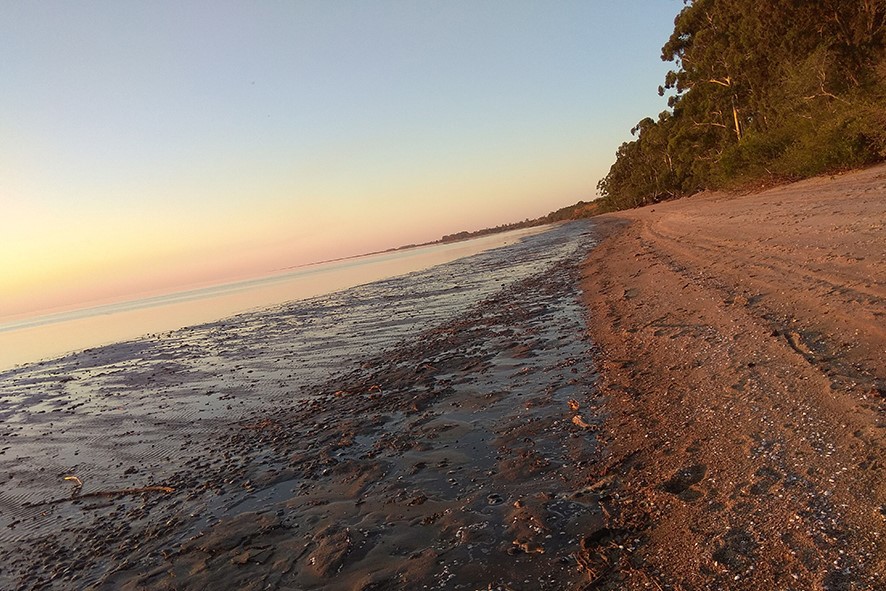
(760,89)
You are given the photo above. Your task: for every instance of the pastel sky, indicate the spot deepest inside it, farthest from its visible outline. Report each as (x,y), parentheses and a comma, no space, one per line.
(149,146)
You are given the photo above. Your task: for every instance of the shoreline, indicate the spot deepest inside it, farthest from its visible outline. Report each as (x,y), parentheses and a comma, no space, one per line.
(669,398)
(41,338)
(437,452)
(741,346)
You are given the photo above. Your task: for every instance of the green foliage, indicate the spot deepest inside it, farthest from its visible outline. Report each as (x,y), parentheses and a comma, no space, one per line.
(761,89)
(582,209)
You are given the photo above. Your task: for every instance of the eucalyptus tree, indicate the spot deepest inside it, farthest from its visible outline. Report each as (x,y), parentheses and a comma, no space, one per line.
(778,88)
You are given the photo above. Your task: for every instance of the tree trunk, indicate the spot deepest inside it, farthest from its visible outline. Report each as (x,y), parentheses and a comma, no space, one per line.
(735,119)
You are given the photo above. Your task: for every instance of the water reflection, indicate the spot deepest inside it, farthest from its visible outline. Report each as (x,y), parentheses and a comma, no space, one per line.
(40,337)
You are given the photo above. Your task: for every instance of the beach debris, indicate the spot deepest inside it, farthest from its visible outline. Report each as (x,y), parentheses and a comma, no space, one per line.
(573,404)
(78,485)
(577,420)
(75,480)
(418,499)
(585,565)
(528,547)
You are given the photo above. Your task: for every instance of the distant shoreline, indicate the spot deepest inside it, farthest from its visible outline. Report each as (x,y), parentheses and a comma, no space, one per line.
(579,210)
(34,337)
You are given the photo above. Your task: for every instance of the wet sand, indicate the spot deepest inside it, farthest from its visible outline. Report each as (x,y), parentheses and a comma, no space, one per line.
(450,443)
(742,347)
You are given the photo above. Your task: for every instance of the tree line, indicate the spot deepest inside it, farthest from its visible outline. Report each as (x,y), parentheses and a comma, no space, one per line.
(582,209)
(761,90)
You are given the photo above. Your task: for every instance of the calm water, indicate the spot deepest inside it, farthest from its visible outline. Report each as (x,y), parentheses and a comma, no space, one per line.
(33,338)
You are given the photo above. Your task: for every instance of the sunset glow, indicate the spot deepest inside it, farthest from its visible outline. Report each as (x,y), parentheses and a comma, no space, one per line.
(149,148)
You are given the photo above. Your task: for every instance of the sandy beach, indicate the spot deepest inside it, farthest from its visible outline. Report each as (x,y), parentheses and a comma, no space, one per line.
(742,347)
(687,396)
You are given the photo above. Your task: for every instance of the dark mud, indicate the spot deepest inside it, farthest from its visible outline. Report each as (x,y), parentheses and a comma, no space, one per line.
(435,430)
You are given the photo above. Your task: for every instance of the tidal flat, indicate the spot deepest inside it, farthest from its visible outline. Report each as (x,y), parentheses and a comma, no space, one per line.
(434,429)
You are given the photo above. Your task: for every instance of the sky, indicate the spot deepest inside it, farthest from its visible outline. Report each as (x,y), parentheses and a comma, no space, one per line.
(152,146)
